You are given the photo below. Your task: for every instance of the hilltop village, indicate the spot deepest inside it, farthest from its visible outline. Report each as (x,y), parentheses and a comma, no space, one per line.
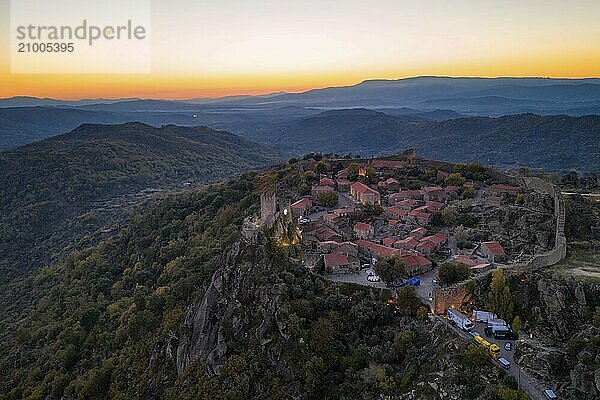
(423,214)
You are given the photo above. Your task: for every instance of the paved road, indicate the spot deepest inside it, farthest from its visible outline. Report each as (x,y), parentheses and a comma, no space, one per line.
(425,289)
(526,382)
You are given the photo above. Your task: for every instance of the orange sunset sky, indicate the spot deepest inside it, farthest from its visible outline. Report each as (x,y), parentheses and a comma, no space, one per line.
(218,48)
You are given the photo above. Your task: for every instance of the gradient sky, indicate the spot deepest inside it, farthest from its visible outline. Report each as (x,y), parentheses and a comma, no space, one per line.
(216,48)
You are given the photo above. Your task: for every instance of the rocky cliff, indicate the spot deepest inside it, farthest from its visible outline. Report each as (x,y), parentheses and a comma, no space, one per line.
(240,301)
(565,349)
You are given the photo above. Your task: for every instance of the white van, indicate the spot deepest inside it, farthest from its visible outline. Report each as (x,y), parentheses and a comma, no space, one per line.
(504,363)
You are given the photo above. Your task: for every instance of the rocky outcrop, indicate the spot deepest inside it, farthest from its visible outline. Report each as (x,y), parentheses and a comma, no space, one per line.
(238,302)
(566,352)
(561,306)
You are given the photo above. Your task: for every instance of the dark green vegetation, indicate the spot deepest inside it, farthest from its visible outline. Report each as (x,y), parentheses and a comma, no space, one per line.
(99,314)
(48,188)
(106,322)
(450,273)
(390,270)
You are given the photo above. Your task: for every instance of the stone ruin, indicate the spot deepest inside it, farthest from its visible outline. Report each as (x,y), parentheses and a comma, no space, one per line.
(275,213)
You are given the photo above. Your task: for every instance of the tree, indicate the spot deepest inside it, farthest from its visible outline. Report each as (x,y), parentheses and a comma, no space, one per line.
(516,324)
(499,297)
(450,273)
(327,199)
(304,189)
(472,171)
(89,317)
(321,167)
(520,199)
(596,319)
(505,393)
(407,301)
(455,179)
(467,219)
(468,193)
(371,174)
(422,313)
(310,176)
(314,369)
(476,355)
(403,341)
(353,170)
(390,269)
(449,216)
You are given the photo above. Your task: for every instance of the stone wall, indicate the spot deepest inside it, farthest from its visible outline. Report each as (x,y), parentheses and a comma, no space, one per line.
(442,298)
(560,248)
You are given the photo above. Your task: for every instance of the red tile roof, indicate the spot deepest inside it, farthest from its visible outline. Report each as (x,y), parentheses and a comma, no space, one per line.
(379,249)
(415,260)
(326,181)
(437,239)
(335,259)
(426,244)
(396,211)
(494,248)
(387,241)
(409,242)
(434,206)
(303,203)
(361,226)
(421,230)
(466,260)
(408,203)
(429,189)
(362,188)
(419,214)
(504,188)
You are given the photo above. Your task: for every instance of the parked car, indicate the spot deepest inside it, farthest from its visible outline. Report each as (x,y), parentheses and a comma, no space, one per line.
(373,278)
(549,393)
(434,282)
(304,220)
(508,346)
(365,266)
(504,363)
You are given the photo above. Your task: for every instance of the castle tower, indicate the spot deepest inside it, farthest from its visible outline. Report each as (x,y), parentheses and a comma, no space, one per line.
(268,208)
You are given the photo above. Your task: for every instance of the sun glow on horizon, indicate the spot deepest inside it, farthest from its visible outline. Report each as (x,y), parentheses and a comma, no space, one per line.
(215,49)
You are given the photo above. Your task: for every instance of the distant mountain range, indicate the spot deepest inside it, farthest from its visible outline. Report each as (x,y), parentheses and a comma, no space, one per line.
(50,188)
(474,96)
(549,142)
(373,117)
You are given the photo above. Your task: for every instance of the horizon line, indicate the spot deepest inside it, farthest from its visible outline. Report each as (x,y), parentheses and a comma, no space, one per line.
(282,92)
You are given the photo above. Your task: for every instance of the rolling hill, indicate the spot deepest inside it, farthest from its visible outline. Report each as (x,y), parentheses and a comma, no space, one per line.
(61,190)
(554,143)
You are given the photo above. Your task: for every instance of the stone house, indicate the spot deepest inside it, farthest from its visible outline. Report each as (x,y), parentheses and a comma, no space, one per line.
(340,264)
(493,251)
(364,194)
(363,230)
